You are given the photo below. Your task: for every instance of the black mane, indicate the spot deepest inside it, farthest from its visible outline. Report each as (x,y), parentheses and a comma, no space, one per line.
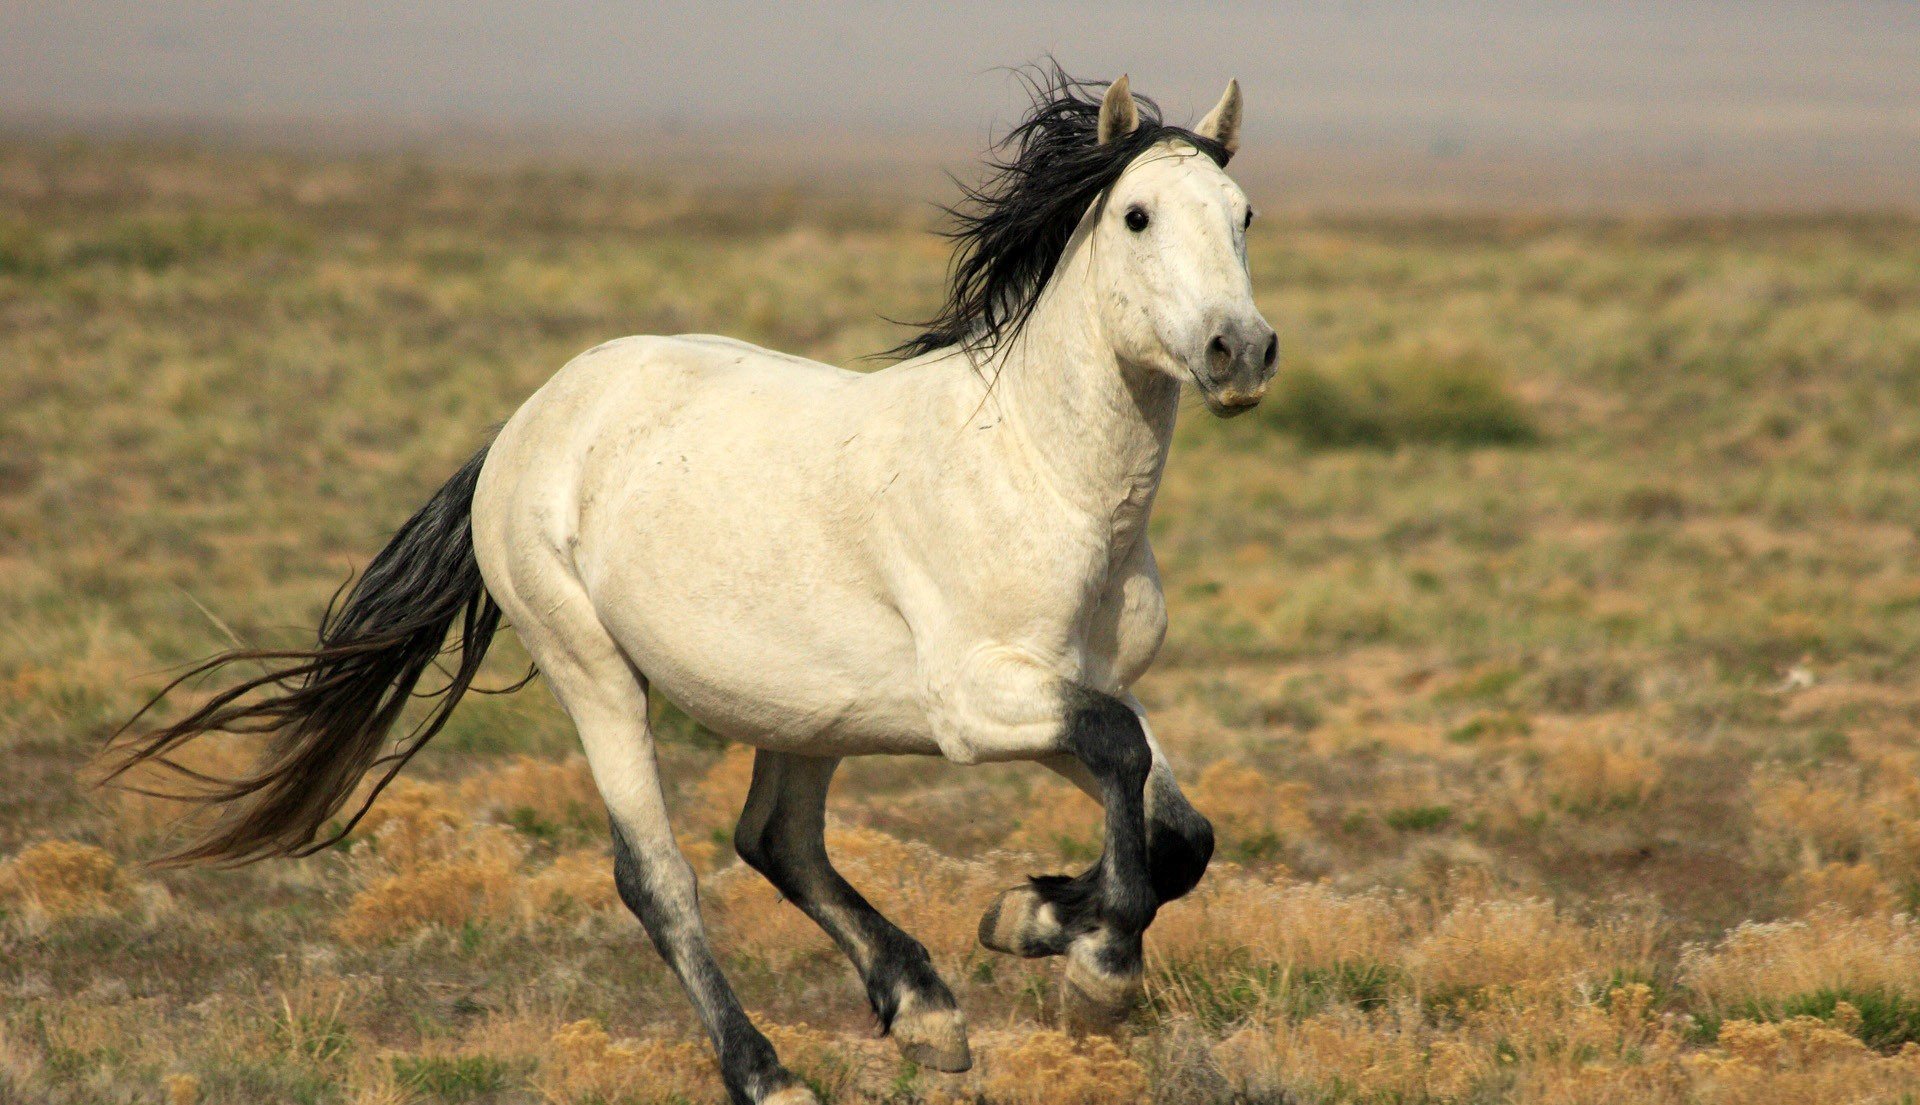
(1010,230)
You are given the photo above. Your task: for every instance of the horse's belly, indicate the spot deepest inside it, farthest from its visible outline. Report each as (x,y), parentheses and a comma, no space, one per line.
(837,680)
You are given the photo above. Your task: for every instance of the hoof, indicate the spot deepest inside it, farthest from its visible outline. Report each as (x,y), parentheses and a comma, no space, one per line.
(1020,922)
(1094,1001)
(795,1094)
(934,1038)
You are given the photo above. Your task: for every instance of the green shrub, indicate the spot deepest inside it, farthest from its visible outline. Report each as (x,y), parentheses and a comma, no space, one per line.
(1381,399)
(452,1078)
(160,242)
(1419,819)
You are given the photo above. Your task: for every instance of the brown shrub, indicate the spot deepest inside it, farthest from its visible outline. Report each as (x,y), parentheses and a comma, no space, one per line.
(182,1089)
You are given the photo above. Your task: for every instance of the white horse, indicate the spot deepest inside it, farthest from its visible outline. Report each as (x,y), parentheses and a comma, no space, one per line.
(944,557)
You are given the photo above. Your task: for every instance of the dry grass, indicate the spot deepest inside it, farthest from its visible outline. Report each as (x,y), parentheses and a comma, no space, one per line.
(1050,1068)
(584,1065)
(1827,951)
(1547,654)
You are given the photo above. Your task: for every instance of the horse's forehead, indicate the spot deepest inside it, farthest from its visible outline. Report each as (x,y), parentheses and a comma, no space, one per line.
(1177,169)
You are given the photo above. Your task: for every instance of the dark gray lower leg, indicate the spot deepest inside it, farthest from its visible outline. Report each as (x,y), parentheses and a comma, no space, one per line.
(1179,837)
(660,890)
(1098,916)
(782,834)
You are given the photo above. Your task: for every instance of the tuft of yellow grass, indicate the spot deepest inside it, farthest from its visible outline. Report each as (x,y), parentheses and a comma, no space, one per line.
(576,881)
(1848,887)
(1250,812)
(1502,943)
(582,1065)
(412,822)
(1345,1054)
(1801,1061)
(450,893)
(1829,950)
(55,879)
(818,1057)
(1808,820)
(934,896)
(1051,1068)
(1549,1044)
(753,921)
(183,1089)
(1607,773)
(539,795)
(1233,916)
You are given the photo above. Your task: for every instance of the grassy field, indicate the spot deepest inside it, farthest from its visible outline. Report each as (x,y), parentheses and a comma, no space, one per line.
(1547,651)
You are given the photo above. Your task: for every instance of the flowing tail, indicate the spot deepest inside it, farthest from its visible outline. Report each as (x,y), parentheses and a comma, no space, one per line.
(329,709)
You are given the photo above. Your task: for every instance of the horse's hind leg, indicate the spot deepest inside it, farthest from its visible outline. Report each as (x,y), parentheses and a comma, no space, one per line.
(608,703)
(782,835)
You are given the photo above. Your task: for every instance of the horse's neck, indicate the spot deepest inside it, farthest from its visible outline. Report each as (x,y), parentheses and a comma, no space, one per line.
(1096,430)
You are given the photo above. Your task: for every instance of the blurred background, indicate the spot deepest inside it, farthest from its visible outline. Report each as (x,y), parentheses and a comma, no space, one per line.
(1545,648)
(1711,104)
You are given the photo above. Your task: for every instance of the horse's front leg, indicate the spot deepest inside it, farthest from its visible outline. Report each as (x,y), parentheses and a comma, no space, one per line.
(1095,918)
(1179,837)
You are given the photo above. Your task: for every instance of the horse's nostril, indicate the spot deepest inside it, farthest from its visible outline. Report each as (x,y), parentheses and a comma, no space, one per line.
(1273,351)
(1219,357)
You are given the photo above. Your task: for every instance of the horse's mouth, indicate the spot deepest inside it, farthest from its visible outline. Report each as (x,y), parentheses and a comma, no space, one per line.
(1230,402)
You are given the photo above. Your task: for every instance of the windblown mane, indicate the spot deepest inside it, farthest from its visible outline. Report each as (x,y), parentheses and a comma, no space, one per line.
(1010,230)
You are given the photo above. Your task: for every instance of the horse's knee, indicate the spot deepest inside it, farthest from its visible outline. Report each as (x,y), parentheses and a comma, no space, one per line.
(1179,841)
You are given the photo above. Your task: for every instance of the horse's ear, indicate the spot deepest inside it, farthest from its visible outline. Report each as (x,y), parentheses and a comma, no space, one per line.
(1222,124)
(1118,115)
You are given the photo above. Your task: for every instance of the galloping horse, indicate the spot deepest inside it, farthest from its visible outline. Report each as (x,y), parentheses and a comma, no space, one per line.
(947,556)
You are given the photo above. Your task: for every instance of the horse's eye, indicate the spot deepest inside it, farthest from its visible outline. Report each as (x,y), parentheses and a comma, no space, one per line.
(1248,221)
(1136,219)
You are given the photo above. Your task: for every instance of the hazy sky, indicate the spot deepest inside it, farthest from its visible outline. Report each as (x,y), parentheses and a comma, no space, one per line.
(1761,78)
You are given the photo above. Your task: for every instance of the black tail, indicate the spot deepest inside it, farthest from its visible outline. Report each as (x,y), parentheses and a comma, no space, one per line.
(329,709)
